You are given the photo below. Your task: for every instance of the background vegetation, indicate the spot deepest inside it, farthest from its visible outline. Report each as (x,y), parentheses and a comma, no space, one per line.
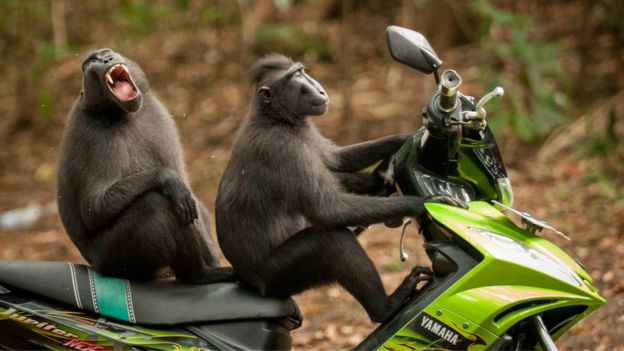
(560,124)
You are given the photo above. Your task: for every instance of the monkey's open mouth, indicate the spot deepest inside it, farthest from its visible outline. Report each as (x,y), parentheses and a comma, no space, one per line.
(120,83)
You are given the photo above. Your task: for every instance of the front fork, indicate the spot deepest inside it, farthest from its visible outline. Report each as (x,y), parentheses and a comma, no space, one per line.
(535,326)
(540,331)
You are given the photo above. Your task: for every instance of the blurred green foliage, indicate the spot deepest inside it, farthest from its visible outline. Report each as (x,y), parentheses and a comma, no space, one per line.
(517,57)
(396,266)
(289,40)
(609,182)
(604,141)
(34,51)
(607,143)
(139,18)
(532,77)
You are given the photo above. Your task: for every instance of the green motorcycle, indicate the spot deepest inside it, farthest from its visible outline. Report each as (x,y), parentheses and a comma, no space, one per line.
(495,285)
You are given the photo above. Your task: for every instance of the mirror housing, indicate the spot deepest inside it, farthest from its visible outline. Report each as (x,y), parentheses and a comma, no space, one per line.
(412,49)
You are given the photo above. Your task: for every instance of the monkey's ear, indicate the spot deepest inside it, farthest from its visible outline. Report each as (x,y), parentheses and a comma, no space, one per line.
(265,94)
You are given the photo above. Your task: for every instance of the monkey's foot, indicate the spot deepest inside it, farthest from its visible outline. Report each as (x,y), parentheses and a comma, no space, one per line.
(423,273)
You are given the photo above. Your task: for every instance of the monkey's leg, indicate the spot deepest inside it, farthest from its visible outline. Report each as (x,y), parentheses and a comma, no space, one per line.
(139,242)
(197,261)
(201,227)
(204,215)
(148,236)
(314,257)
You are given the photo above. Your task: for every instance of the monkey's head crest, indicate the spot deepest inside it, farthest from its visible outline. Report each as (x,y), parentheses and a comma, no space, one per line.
(268,68)
(111,79)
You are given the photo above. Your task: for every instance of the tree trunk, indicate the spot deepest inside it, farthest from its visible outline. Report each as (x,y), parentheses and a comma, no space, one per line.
(59,29)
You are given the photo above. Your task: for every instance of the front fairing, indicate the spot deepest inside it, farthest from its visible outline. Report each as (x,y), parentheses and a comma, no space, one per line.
(479,175)
(515,275)
(520,274)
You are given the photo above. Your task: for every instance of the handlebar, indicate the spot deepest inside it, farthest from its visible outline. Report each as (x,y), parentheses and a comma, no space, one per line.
(448,90)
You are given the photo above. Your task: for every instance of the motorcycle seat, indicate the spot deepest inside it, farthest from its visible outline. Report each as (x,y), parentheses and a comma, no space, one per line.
(150,303)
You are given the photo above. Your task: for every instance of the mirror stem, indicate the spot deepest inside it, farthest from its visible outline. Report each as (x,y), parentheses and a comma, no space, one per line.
(436,74)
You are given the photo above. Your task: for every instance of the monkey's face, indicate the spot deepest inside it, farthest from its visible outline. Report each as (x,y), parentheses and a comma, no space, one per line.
(312,100)
(294,93)
(108,78)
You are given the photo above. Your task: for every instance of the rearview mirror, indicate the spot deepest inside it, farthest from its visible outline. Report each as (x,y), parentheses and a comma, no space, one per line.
(412,49)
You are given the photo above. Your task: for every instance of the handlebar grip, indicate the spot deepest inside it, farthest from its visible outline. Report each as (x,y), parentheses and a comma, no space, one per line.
(448,90)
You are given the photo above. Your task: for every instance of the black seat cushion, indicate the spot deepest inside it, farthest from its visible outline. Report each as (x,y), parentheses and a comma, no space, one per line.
(156,303)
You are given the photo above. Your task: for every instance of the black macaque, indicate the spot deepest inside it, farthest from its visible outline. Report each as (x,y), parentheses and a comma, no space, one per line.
(288,195)
(123,194)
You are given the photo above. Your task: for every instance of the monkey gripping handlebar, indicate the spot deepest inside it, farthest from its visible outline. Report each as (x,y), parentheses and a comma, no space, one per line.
(449,114)
(448,109)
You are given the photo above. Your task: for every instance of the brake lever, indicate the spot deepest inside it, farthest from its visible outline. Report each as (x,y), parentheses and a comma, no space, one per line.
(403,254)
(496,92)
(480,113)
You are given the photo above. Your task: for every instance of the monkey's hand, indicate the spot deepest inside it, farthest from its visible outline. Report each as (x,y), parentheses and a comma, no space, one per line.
(449,200)
(385,171)
(174,189)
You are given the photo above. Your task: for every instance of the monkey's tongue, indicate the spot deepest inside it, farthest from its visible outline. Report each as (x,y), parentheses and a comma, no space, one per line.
(123,90)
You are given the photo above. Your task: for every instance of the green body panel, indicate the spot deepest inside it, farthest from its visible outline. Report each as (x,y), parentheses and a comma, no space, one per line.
(483,215)
(497,283)
(409,339)
(502,289)
(470,169)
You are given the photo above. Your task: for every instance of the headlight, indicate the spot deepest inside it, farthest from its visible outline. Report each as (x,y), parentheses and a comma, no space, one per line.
(511,250)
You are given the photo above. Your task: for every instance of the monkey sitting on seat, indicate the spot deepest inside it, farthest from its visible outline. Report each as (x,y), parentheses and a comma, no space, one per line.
(123,194)
(288,195)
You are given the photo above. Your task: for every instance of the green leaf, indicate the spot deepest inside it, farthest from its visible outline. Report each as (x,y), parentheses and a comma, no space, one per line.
(394,267)
(45,104)
(524,127)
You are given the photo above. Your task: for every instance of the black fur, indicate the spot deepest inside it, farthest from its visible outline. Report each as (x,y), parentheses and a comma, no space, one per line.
(288,195)
(123,194)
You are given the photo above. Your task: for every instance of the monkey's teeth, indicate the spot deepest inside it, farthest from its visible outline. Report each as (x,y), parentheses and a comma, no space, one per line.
(109,79)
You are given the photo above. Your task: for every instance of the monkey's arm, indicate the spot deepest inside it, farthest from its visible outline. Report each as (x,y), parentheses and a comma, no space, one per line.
(323,203)
(361,183)
(104,202)
(351,209)
(355,157)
